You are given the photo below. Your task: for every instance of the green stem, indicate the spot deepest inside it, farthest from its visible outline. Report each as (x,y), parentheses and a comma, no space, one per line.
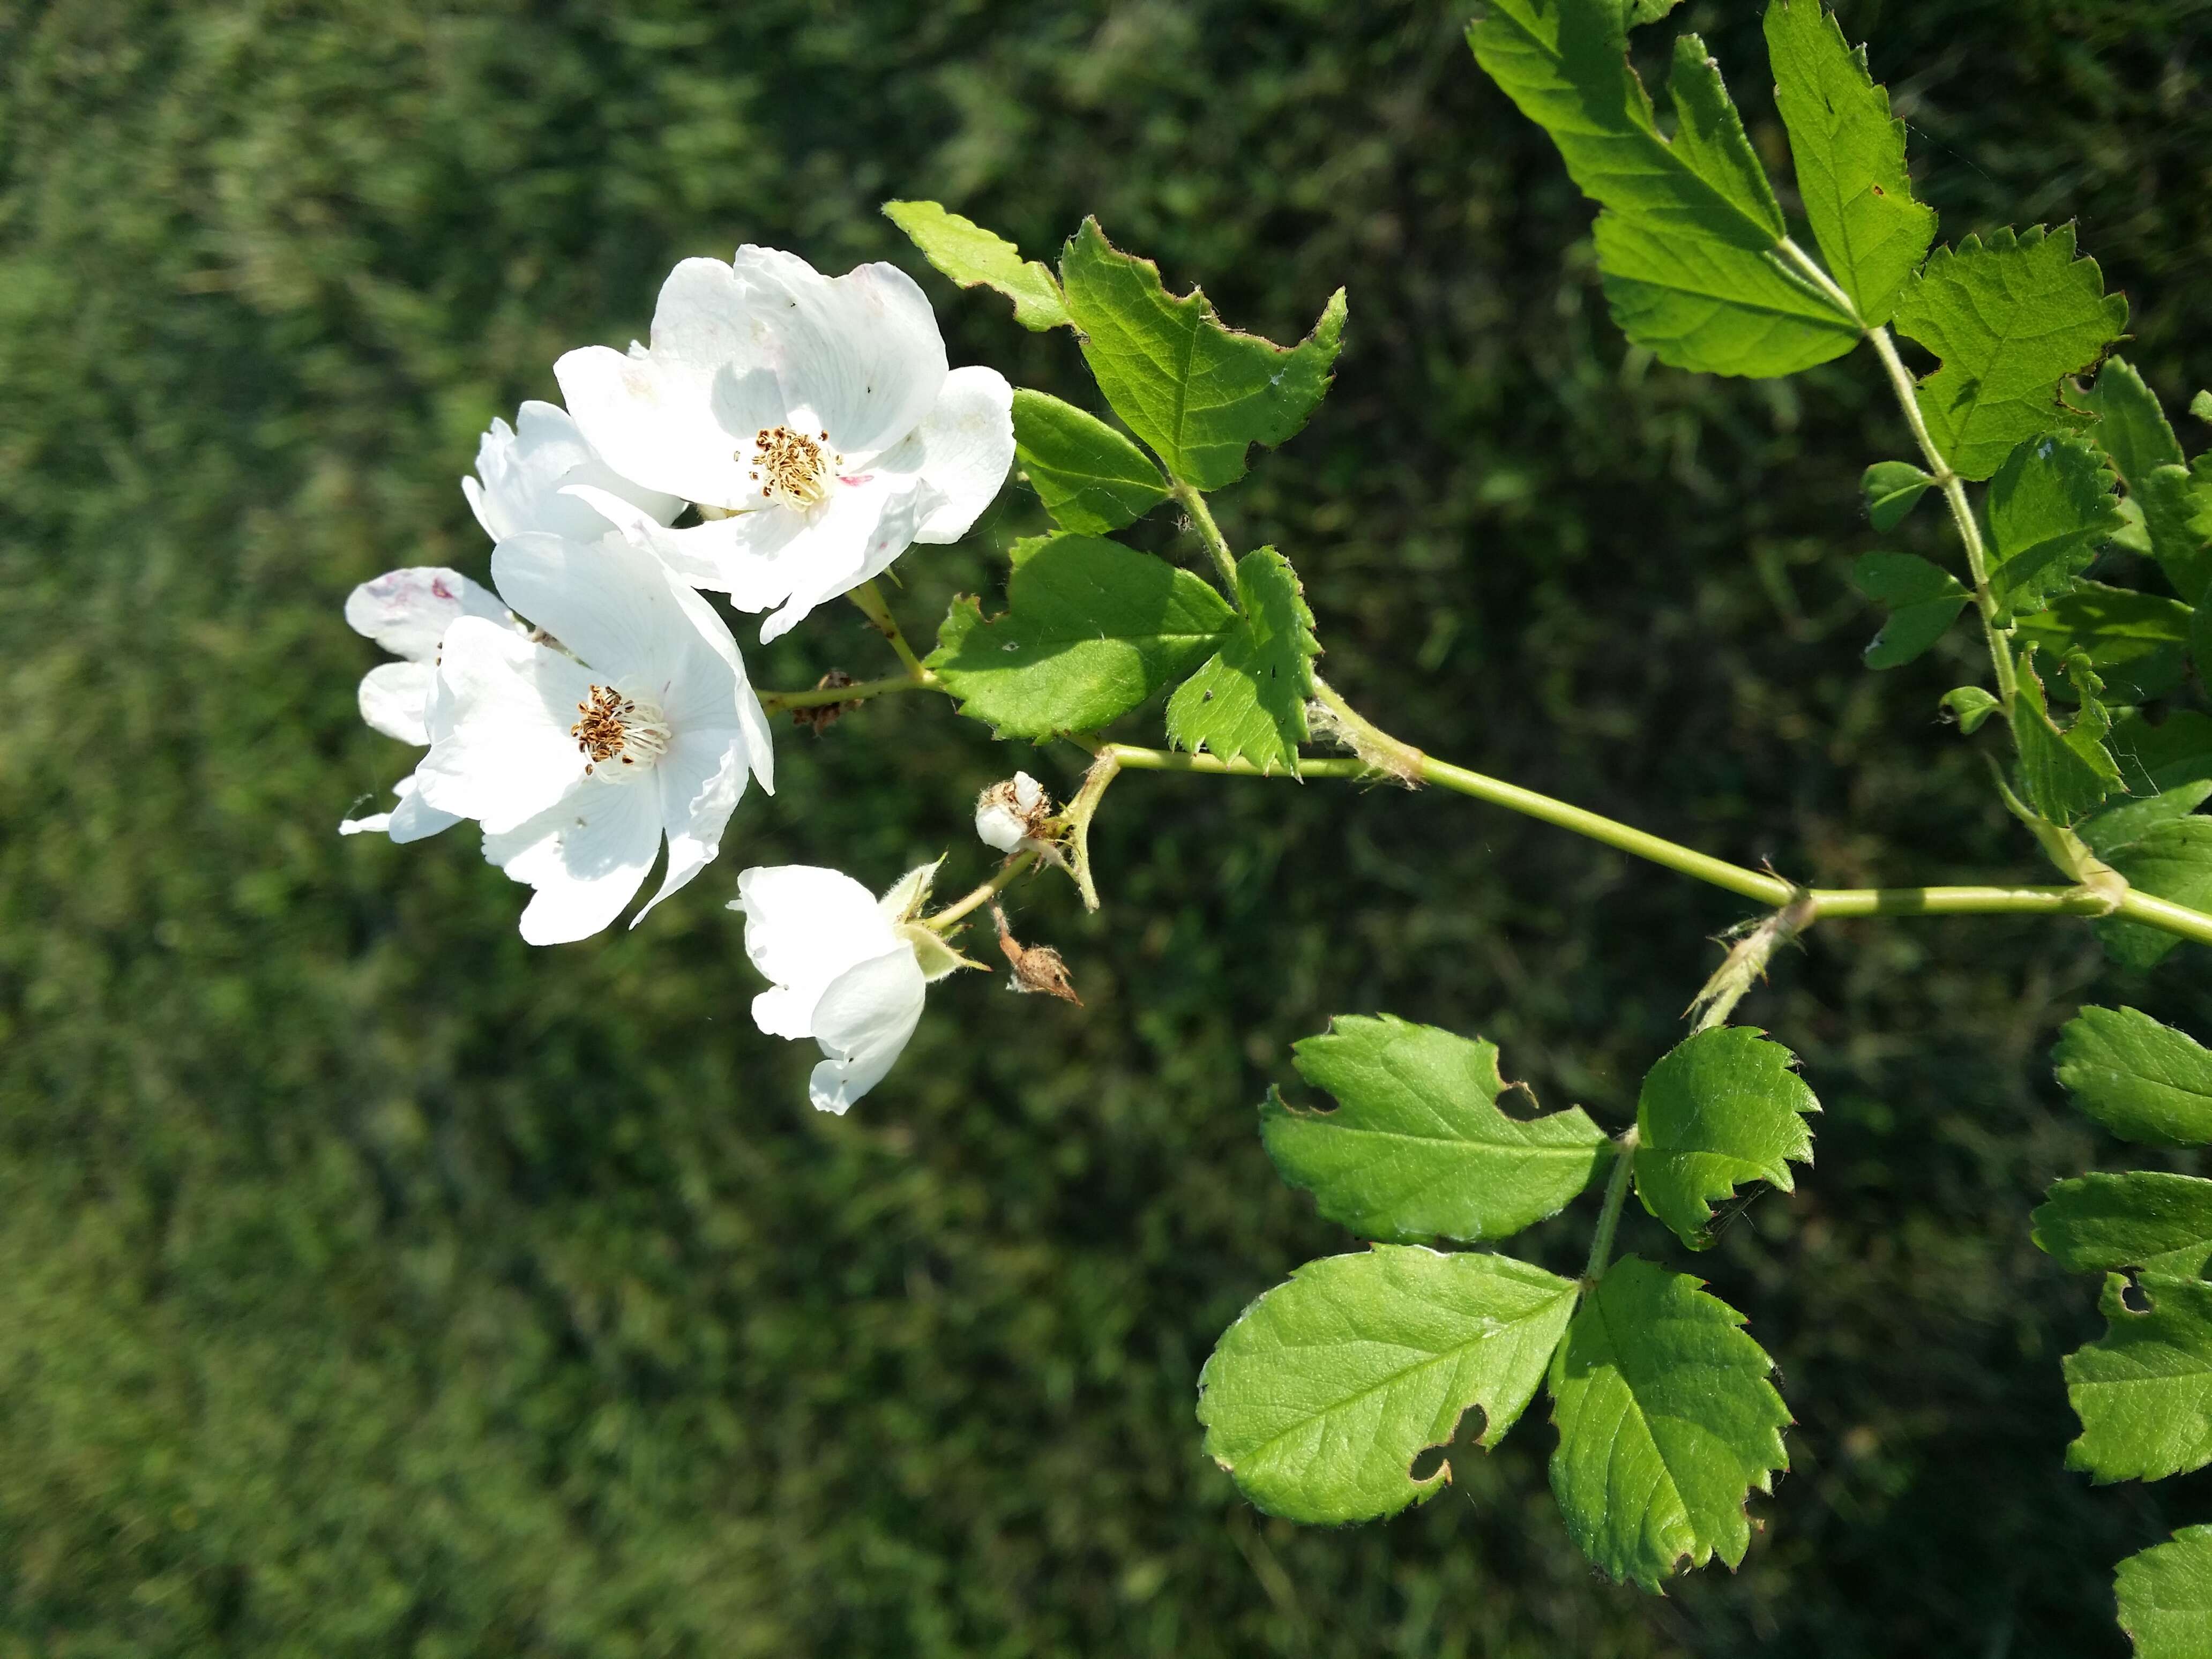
(1201,516)
(870,600)
(1008,873)
(822,696)
(1616,1195)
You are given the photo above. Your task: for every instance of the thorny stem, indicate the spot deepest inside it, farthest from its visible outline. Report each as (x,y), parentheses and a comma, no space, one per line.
(820,696)
(1616,1194)
(1201,517)
(870,600)
(1008,873)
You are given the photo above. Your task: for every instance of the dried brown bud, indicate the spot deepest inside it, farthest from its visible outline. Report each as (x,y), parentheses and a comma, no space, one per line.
(826,713)
(1036,967)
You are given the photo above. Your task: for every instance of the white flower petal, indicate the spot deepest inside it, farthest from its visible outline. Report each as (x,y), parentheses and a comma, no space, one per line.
(854,537)
(700,781)
(375,823)
(408,611)
(863,1021)
(617,609)
(804,925)
(731,556)
(394,698)
(414,819)
(967,448)
(524,468)
(507,754)
(586,855)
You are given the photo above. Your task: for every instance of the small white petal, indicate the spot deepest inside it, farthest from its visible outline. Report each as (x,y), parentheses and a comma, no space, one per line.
(852,540)
(508,753)
(865,1018)
(734,555)
(395,697)
(804,925)
(408,611)
(375,825)
(414,819)
(700,779)
(967,448)
(586,855)
(525,468)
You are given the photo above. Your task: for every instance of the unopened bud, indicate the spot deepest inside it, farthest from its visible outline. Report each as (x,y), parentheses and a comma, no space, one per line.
(1008,815)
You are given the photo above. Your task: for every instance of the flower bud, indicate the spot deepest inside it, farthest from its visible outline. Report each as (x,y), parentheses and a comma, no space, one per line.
(1011,813)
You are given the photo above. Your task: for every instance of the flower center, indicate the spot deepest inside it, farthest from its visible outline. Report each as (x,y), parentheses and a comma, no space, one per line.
(619,731)
(792,468)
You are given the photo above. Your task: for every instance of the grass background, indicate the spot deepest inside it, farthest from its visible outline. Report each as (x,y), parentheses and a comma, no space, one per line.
(370,1284)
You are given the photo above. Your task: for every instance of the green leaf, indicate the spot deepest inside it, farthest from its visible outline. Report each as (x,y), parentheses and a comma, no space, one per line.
(1970,706)
(1418,1148)
(1199,393)
(1891,489)
(1089,477)
(974,257)
(2144,1392)
(1649,11)
(2170,860)
(2144,1220)
(1667,1422)
(2177,504)
(2131,428)
(1849,151)
(2137,642)
(1722,1107)
(1923,600)
(2165,1597)
(1321,1396)
(1687,244)
(2007,318)
(1090,630)
(2175,751)
(1249,699)
(2144,1081)
(2066,769)
(2124,825)
(2201,405)
(2050,508)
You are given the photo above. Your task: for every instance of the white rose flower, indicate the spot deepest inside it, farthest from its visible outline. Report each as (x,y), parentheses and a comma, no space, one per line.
(813,418)
(576,765)
(1009,814)
(408,613)
(523,471)
(849,969)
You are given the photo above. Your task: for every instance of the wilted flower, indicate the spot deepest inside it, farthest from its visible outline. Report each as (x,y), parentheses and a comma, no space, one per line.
(1010,814)
(522,471)
(813,418)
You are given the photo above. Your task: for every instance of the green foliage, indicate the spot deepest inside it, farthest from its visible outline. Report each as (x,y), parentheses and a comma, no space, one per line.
(1092,629)
(1969,705)
(1647,11)
(2131,428)
(2177,505)
(1199,393)
(2165,1597)
(2144,1081)
(1667,1423)
(1417,1147)
(1687,241)
(2143,1218)
(2137,642)
(2008,317)
(2050,507)
(1321,1396)
(1849,151)
(2175,751)
(2168,856)
(1722,1108)
(1923,600)
(1089,477)
(2144,1392)
(2066,769)
(1892,489)
(1250,698)
(975,258)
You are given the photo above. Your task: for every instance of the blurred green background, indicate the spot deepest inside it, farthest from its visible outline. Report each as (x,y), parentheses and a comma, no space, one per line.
(373,1284)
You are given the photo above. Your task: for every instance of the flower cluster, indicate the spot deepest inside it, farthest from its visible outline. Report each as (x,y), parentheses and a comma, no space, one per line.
(783,440)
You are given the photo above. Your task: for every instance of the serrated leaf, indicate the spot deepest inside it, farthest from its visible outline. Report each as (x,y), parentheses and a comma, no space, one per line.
(2177,504)
(1667,1422)
(2131,428)
(1891,489)
(1720,1109)
(1687,244)
(2175,751)
(2143,1219)
(1970,706)
(2170,860)
(1849,151)
(1923,600)
(2124,825)
(1417,1146)
(2066,770)
(2165,1597)
(2008,317)
(1322,1395)
(2144,1081)
(1090,630)
(1250,698)
(1089,477)
(2144,1391)
(975,258)
(2050,508)
(1200,394)
(2137,642)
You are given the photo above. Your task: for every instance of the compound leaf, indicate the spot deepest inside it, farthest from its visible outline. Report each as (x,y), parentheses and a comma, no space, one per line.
(2066,769)
(1201,394)
(2144,1081)
(1250,698)
(1720,1109)
(1417,1147)
(2165,1597)
(1849,151)
(1322,1395)
(2141,1220)
(1923,600)
(2007,318)
(2050,508)
(2137,642)
(2144,1391)
(1090,630)
(974,257)
(1667,1422)
(1089,477)
(1891,489)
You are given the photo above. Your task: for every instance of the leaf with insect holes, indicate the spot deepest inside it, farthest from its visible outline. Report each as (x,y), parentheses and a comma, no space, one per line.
(1722,1107)
(1322,1395)
(2066,770)
(2050,508)
(1689,243)
(1923,600)
(1089,477)
(2144,1391)
(2137,642)
(2165,1597)
(974,257)
(2144,1081)
(2141,1220)
(1849,155)
(1199,393)
(1891,489)
(1249,699)
(2008,317)
(1667,1424)
(1092,629)
(2167,856)
(1417,1146)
